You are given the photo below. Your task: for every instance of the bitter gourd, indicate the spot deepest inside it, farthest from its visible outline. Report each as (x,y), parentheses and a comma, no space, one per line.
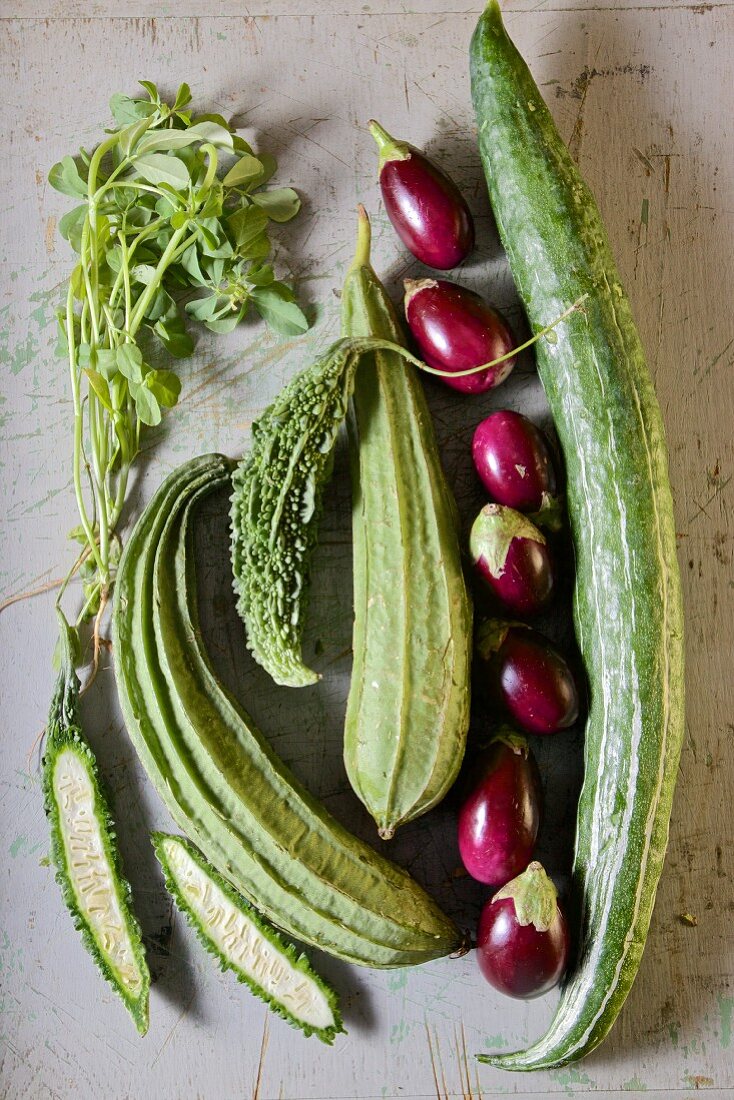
(84,848)
(243,942)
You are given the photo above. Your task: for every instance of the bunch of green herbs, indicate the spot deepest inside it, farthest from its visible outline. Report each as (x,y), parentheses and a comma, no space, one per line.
(172,220)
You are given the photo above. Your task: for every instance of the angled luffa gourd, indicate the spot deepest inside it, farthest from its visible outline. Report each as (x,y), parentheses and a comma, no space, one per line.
(408,707)
(221,780)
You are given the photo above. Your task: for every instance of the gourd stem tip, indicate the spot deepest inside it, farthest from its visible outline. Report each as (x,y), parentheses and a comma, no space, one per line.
(380,134)
(364,238)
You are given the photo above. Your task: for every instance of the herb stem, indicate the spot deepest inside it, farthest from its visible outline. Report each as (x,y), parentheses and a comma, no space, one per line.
(125,268)
(78,427)
(151,289)
(90,228)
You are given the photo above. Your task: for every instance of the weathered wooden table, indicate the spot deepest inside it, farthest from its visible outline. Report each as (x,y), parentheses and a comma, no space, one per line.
(643,93)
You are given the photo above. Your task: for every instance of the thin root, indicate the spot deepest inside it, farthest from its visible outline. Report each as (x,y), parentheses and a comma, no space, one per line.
(261,1061)
(37,741)
(49,587)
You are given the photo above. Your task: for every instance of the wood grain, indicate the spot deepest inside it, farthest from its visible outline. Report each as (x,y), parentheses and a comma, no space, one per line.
(642,92)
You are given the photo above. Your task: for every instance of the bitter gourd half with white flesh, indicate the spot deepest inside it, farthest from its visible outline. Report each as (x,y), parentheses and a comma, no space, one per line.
(84,848)
(231,930)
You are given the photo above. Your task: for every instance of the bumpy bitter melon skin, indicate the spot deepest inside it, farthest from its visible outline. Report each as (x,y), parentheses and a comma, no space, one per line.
(93,885)
(276,506)
(408,707)
(237,936)
(627,602)
(222,782)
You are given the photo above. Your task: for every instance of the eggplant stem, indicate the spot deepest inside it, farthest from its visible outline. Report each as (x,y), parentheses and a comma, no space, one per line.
(388,147)
(577,305)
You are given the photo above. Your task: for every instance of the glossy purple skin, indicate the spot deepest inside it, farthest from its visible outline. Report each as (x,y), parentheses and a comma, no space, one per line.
(514,460)
(427,210)
(519,960)
(533,682)
(500,816)
(455,330)
(527,583)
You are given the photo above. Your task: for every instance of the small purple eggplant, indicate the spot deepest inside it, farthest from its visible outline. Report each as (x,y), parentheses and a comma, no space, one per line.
(425,207)
(523,942)
(530,679)
(515,464)
(500,816)
(456,330)
(511,556)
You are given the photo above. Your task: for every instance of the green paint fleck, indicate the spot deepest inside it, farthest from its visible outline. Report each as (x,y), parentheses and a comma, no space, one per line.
(40,316)
(645,213)
(11,958)
(221,37)
(673,1031)
(634,1085)
(399,1032)
(22,846)
(496,1041)
(398,979)
(570,1076)
(726,1011)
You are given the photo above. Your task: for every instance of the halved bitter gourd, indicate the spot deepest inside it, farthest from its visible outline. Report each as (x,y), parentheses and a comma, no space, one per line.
(84,848)
(243,942)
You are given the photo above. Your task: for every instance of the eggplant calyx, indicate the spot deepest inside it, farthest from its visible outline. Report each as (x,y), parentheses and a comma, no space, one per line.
(415,286)
(493,532)
(491,634)
(515,741)
(534,895)
(388,147)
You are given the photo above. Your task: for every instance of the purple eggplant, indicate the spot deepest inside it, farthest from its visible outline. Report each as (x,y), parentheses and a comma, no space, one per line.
(456,330)
(523,941)
(426,208)
(511,556)
(515,464)
(528,677)
(500,815)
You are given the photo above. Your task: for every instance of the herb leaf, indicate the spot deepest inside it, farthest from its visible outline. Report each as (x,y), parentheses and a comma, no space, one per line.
(130,362)
(247,224)
(280,204)
(277,305)
(245,170)
(64,177)
(146,405)
(126,110)
(159,168)
(165,386)
(168,206)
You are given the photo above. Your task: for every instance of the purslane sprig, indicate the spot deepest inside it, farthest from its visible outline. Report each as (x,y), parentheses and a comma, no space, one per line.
(171,209)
